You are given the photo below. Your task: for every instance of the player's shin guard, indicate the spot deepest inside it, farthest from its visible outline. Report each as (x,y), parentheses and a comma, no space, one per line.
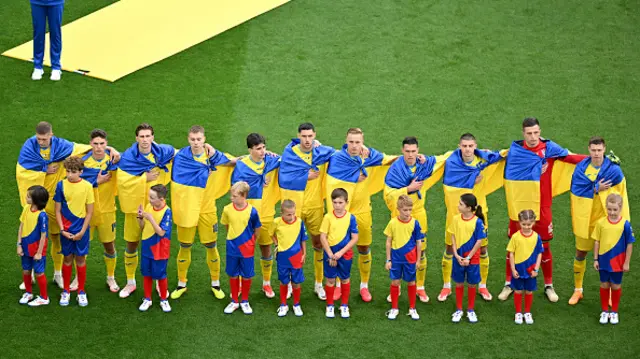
(517,301)
(447,266)
(42,284)
(81,271)
(395,293)
(56,254)
(411,289)
(28,286)
(234,284)
(267,268)
(459,296)
(484,268)
(471,298)
(246,288)
(130,265)
(615,299)
(346,291)
(364,264)
(421,273)
(183,261)
(213,261)
(147,283)
(66,276)
(547,264)
(110,263)
(284,288)
(528,300)
(317,264)
(507,274)
(579,267)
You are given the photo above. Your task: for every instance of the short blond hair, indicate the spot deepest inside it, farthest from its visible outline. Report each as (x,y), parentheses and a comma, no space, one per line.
(615,199)
(354,131)
(287,204)
(404,201)
(241,188)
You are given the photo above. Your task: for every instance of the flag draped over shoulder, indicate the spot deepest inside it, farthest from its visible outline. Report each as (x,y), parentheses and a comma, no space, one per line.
(195,185)
(132,185)
(522,173)
(294,171)
(91,174)
(583,193)
(261,195)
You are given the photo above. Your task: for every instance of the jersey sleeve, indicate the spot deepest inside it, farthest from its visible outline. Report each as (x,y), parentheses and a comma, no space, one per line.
(595,235)
(628,232)
(58,196)
(90,195)
(224,219)
(511,247)
(43,222)
(167,222)
(417,232)
(353,225)
(255,219)
(539,247)
(274,227)
(23,215)
(304,236)
(324,227)
(480,232)
(388,230)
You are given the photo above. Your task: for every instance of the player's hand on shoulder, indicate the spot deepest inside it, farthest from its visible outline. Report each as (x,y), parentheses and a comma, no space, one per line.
(210,150)
(115,155)
(422,158)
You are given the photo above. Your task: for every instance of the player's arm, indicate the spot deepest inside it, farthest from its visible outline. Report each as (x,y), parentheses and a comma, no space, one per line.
(156,228)
(454,245)
(325,244)
(596,253)
(474,249)
(114,154)
(537,267)
(628,252)
(387,264)
(87,221)
(573,158)
(512,260)
(64,233)
(352,242)
(43,240)
(19,243)
(303,245)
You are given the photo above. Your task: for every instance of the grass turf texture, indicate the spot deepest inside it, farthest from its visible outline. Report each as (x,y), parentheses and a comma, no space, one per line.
(426,68)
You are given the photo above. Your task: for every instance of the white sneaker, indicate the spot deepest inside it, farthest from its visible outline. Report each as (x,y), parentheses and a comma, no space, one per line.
(297,310)
(146,304)
(457,316)
(246,308)
(506,292)
(38,302)
(604,317)
(26,298)
(283,310)
(64,298)
(22,286)
(55,75)
(74,284)
(613,318)
(413,313)
(166,307)
(319,290)
(518,319)
(551,293)
(36,75)
(528,318)
(127,290)
(471,315)
(57,279)
(112,284)
(82,299)
(330,312)
(232,307)
(289,290)
(344,311)
(392,314)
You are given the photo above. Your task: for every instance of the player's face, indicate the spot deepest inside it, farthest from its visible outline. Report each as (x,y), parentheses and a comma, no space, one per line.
(354,144)
(467,147)
(596,152)
(154,200)
(257,152)
(405,212)
(289,215)
(410,154)
(463,208)
(526,226)
(29,198)
(531,135)
(306,139)
(144,139)
(196,141)
(74,176)
(44,140)
(98,145)
(237,199)
(339,204)
(613,210)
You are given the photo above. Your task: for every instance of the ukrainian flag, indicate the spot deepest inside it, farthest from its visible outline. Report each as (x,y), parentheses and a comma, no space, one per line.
(132,185)
(583,194)
(195,186)
(522,173)
(261,197)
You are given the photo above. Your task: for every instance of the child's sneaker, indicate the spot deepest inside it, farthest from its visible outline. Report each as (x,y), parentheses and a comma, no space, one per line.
(55,75)
(38,302)
(246,308)
(297,310)
(613,318)
(283,310)
(444,294)
(36,75)
(82,299)
(484,293)
(127,290)
(113,285)
(604,317)
(518,319)
(528,318)
(422,295)
(64,298)
(319,290)
(330,312)
(413,313)
(232,307)
(471,315)
(268,291)
(506,292)
(26,298)
(166,307)
(74,284)
(551,293)
(344,311)
(457,316)
(146,304)
(392,314)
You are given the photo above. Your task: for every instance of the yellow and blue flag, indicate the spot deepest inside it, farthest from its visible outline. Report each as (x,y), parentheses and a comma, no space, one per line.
(261,195)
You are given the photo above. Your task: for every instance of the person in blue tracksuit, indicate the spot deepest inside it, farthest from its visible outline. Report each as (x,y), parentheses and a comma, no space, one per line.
(43,11)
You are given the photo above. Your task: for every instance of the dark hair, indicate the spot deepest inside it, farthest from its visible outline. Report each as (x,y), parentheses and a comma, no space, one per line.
(144,126)
(98,133)
(196,129)
(39,196)
(411,140)
(468,137)
(471,201)
(73,164)
(43,128)
(527,215)
(339,193)
(306,126)
(596,140)
(160,190)
(530,122)
(255,139)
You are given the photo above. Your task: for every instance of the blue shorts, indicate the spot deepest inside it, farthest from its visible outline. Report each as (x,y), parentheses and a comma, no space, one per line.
(613,277)
(470,272)
(28,263)
(156,269)
(342,270)
(240,266)
(528,284)
(78,248)
(288,274)
(404,271)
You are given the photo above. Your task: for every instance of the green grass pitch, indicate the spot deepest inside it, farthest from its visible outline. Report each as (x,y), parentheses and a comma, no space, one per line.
(434,69)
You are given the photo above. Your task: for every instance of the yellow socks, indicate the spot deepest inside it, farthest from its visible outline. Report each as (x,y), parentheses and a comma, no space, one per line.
(110,263)
(267,266)
(317,264)
(579,267)
(364,264)
(131,265)
(484,268)
(447,266)
(421,273)
(213,261)
(56,248)
(183,261)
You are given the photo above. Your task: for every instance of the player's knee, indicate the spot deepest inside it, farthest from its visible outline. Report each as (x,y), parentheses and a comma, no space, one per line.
(185,246)
(616,286)
(364,250)
(26,272)
(211,245)
(345,281)
(396,282)
(581,255)
(484,250)
(605,285)
(331,282)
